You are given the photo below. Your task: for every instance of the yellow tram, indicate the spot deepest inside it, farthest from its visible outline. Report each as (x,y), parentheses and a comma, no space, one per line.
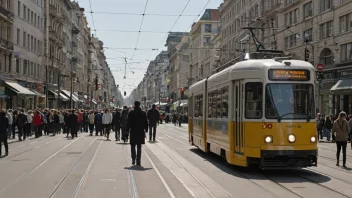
(258,111)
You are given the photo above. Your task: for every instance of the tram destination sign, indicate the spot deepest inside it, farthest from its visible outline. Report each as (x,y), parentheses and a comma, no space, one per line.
(289,75)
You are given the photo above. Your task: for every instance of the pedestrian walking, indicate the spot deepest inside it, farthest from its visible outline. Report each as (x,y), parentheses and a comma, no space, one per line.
(91,122)
(123,121)
(21,123)
(66,120)
(56,123)
(80,121)
(116,122)
(28,127)
(98,124)
(107,120)
(4,125)
(85,121)
(14,123)
(62,121)
(9,129)
(320,125)
(137,125)
(153,116)
(327,127)
(180,119)
(72,124)
(37,122)
(341,130)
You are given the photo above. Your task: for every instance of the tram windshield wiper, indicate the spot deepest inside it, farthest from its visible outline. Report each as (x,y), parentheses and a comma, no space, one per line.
(279,118)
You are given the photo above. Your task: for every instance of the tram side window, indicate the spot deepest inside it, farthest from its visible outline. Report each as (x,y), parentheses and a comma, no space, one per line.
(254,100)
(196,101)
(210,104)
(218,104)
(225,99)
(200,106)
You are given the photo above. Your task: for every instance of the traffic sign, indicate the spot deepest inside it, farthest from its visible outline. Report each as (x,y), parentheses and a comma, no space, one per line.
(320,67)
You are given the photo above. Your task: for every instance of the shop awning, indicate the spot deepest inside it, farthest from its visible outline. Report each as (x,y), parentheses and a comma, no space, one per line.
(63,97)
(342,86)
(19,89)
(39,94)
(68,93)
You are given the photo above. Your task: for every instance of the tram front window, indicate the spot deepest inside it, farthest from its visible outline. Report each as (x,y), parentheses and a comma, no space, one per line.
(289,101)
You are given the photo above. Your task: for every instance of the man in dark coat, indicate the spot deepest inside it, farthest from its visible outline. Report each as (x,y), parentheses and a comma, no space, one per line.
(4,125)
(72,123)
(116,124)
(123,122)
(21,122)
(153,118)
(137,125)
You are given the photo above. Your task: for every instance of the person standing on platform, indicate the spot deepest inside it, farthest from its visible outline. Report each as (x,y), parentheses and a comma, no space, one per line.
(107,120)
(4,125)
(29,123)
(117,124)
(72,124)
(85,121)
(80,121)
(153,118)
(137,124)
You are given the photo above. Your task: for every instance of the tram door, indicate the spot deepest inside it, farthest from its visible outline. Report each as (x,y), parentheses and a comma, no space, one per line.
(238,116)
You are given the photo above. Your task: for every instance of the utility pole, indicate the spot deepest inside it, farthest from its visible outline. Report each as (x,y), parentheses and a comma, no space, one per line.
(47,53)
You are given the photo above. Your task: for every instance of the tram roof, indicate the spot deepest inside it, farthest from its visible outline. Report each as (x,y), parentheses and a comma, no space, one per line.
(197,86)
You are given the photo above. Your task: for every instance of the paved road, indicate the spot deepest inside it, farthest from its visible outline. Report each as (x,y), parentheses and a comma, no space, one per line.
(92,167)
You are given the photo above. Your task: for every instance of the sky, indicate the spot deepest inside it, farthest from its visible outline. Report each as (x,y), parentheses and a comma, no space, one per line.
(112,18)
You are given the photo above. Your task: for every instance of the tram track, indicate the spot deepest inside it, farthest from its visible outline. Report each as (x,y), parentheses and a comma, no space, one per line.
(37,167)
(72,167)
(20,153)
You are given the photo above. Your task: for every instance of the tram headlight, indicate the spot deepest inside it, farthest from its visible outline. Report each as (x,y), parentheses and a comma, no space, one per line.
(313,139)
(268,139)
(291,138)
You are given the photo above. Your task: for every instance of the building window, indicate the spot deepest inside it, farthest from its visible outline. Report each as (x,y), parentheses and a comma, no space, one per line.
(28,15)
(346,52)
(32,20)
(326,30)
(28,41)
(346,23)
(308,9)
(254,100)
(35,20)
(207,28)
(25,66)
(18,36)
(308,35)
(206,40)
(327,57)
(325,5)
(19,9)
(18,65)
(32,46)
(290,41)
(24,39)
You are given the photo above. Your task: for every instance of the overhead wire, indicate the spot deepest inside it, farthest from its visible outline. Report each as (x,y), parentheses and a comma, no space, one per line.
(141,14)
(91,13)
(140,28)
(195,19)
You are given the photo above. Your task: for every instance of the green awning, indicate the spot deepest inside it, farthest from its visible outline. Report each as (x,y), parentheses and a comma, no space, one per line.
(344,85)
(19,89)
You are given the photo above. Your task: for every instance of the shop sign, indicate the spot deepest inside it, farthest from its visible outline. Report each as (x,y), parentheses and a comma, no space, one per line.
(40,87)
(347,73)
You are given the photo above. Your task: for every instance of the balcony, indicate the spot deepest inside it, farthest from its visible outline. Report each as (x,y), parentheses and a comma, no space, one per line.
(6,14)
(55,37)
(6,44)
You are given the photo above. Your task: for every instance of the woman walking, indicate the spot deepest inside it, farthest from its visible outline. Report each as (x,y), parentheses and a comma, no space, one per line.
(341,129)
(91,122)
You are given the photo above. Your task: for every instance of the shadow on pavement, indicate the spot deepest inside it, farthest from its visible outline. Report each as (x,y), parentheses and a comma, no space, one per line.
(138,168)
(255,173)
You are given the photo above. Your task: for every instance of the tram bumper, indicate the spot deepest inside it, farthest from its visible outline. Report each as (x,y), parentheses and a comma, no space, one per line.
(288,158)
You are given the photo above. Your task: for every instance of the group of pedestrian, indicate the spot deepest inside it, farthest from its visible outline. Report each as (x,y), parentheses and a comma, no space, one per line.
(339,129)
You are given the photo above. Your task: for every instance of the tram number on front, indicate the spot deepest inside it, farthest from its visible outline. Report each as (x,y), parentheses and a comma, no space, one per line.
(286,74)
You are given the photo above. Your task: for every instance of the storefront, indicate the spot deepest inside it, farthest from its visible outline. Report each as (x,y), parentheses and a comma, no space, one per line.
(75,100)
(16,96)
(336,91)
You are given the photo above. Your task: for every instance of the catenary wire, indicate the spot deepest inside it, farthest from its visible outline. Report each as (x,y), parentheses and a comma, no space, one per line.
(91,13)
(141,14)
(140,28)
